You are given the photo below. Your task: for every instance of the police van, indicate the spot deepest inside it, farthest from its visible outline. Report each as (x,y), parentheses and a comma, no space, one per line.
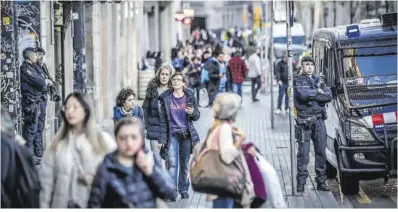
(359,63)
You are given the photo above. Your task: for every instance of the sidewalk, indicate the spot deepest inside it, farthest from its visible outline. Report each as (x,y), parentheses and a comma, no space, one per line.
(255,120)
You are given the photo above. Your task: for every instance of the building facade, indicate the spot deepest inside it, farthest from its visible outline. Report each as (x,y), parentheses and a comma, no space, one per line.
(92,47)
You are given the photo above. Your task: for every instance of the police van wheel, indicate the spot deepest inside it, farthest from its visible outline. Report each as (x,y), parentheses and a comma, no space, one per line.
(349,184)
(331,171)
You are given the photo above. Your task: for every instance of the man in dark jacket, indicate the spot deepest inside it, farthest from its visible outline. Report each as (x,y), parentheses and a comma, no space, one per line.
(310,97)
(33,88)
(282,76)
(178,135)
(212,86)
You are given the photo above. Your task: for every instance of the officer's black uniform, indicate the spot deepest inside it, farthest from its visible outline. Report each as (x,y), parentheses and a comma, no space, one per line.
(33,85)
(311,113)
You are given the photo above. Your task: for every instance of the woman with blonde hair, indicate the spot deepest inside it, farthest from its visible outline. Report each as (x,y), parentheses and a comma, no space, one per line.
(73,156)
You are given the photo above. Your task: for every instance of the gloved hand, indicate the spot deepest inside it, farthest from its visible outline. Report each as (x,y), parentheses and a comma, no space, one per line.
(321,82)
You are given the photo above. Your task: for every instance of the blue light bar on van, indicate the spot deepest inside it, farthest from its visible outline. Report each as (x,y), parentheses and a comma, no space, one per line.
(352,31)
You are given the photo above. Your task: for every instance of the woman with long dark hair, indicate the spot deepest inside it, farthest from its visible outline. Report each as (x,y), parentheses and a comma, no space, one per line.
(156,87)
(71,161)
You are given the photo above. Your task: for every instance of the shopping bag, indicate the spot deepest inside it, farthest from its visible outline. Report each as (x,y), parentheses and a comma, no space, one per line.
(203,97)
(271,181)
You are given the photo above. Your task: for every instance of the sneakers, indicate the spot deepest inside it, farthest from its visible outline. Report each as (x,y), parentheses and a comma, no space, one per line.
(323,187)
(278,111)
(300,188)
(255,100)
(184,196)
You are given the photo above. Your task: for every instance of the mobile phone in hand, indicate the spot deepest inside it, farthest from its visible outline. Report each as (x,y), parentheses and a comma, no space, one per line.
(190,105)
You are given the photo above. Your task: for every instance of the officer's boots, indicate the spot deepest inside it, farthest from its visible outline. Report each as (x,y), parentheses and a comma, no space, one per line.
(323,187)
(300,187)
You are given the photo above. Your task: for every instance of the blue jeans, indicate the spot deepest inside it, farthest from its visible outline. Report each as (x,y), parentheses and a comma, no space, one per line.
(237,88)
(282,92)
(177,162)
(223,202)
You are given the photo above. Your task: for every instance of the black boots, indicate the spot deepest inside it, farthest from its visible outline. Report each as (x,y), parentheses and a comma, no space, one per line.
(323,187)
(300,187)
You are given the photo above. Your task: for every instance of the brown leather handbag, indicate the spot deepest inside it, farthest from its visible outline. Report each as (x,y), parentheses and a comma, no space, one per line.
(210,175)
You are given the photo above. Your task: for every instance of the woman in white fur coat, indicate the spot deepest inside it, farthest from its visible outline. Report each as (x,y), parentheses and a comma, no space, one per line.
(71,161)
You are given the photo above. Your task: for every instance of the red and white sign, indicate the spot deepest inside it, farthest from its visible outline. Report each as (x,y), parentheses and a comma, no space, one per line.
(379,119)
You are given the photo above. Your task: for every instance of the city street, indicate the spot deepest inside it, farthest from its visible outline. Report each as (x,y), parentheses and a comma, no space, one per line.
(72,69)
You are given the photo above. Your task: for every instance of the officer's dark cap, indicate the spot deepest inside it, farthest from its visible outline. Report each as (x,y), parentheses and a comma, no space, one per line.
(307,59)
(41,50)
(27,51)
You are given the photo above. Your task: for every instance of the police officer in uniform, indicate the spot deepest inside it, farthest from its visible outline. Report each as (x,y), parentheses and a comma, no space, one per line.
(310,97)
(41,70)
(33,85)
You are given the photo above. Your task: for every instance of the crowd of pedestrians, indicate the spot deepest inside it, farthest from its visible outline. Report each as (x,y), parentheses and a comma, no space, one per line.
(216,69)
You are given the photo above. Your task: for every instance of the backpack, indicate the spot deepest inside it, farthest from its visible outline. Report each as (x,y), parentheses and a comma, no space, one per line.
(25,181)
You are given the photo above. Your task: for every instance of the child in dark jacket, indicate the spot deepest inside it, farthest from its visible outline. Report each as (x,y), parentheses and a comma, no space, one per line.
(131,176)
(125,105)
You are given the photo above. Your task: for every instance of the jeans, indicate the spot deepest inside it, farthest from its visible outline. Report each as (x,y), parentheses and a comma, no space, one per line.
(223,202)
(283,92)
(256,85)
(237,88)
(177,163)
(197,94)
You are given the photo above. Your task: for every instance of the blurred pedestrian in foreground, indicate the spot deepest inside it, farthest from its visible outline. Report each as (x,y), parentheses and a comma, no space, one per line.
(20,186)
(227,138)
(125,105)
(71,161)
(131,176)
(178,135)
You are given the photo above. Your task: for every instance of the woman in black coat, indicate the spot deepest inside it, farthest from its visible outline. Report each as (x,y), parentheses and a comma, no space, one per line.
(156,87)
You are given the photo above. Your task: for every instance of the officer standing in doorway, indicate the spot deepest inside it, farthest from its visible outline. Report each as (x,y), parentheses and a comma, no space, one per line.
(33,85)
(310,97)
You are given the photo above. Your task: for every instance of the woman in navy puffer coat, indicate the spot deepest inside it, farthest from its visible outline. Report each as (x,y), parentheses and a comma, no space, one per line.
(131,176)
(151,104)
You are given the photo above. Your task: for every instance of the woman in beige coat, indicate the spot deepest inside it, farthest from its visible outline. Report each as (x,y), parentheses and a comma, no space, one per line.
(229,139)
(71,161)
